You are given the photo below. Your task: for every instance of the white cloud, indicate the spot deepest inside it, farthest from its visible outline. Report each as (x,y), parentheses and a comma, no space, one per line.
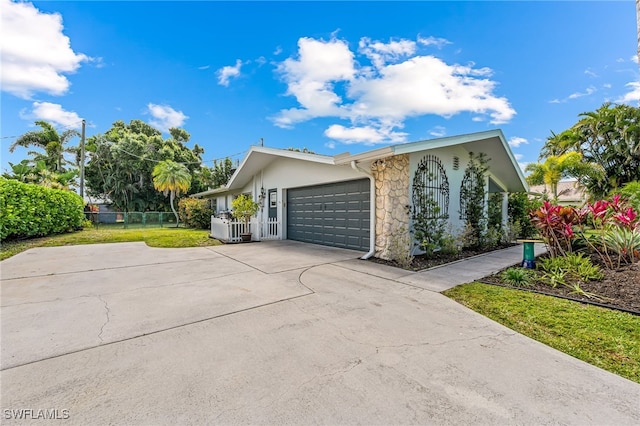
(518,157)
(277,51)
(225,74)
(633,95)
(590,72)
(620,60)
(35,53)
(367,135)
(606,86)
(328,81)
(310,79)
(438,131)
(588,91)
(634,58)
(427,85)
(165,117)
(53,113)
(433,41)
(516,141)
(381,53)
(204,67)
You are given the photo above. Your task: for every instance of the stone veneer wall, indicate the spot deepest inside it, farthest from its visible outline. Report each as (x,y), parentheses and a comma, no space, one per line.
(392,201)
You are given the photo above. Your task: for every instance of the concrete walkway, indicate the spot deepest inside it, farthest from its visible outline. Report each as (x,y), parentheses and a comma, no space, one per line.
(444,277)
(273,333)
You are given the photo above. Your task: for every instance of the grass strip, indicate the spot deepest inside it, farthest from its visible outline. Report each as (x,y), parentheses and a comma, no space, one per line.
(153,237)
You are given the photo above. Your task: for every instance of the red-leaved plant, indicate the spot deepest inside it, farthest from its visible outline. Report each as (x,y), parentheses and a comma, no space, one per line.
(610,228)
(616,230)
(555,224)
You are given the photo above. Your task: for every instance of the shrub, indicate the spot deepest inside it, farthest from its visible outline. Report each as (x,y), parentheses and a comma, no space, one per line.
(570,271)
(555,224)
(616,230)
(28,210)
(494,211)
(518,277)
(518,211)
(399,249)
(244,207)
(429,226)
(195,213)
(493,237)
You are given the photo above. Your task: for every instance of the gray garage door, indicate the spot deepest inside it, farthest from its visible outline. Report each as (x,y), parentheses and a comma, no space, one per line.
(335,214)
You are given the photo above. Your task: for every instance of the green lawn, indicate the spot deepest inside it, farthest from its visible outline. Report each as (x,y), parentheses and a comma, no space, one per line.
(154,237)
(603,337)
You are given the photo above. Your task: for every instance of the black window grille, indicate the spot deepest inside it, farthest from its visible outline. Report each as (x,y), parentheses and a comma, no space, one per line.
(430,189)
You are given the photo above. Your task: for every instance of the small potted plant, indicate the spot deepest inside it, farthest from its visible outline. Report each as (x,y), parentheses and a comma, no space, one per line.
(243,208)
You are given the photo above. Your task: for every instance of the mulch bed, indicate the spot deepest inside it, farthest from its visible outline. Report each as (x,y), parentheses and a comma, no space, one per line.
(619,289)
(422,262)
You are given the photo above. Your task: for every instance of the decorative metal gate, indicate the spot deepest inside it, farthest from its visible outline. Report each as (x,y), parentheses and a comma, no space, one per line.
(430,189)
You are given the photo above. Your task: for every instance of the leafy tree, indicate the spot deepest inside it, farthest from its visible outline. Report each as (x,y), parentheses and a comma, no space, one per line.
(243,208)
(557,167)
(171,178)
(121,163)
(610,137)
(38,174)
(51,142)
(304,150)
(221,172)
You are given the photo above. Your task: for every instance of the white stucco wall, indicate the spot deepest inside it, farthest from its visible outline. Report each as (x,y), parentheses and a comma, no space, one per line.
(285,173)
(454,177)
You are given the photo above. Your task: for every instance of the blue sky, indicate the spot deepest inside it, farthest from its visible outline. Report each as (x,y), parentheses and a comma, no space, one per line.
(328,76)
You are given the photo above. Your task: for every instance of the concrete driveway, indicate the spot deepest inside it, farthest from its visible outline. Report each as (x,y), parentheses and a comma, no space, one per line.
(271,333)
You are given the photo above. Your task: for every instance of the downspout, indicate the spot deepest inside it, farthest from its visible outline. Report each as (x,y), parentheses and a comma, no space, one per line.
(372,210)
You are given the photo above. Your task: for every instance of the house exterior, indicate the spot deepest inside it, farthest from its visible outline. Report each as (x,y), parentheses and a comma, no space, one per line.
(361,201)
(570,193)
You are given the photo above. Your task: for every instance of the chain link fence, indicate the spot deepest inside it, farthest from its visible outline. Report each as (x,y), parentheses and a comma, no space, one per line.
(131,219)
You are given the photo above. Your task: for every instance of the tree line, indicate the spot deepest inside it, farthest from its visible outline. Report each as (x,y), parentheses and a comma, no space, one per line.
(130,165)
(601,151)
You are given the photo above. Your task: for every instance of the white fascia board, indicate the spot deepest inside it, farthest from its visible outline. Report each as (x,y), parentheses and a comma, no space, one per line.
(408,148)
(215,191)
(366,156)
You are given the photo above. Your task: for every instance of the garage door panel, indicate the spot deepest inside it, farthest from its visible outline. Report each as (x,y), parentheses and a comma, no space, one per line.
(333,214)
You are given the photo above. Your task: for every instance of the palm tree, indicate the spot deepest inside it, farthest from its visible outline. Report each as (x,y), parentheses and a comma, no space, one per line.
(557,167)
(49,140)
(171,178)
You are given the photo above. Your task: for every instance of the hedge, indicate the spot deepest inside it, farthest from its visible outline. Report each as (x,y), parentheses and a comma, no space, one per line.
(28,210)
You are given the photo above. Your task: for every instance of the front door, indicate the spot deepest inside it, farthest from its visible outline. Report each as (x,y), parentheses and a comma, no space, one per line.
(272,222)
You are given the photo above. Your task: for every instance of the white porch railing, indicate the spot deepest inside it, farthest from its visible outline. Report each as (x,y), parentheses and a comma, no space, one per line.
(230,231)
(270,229)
